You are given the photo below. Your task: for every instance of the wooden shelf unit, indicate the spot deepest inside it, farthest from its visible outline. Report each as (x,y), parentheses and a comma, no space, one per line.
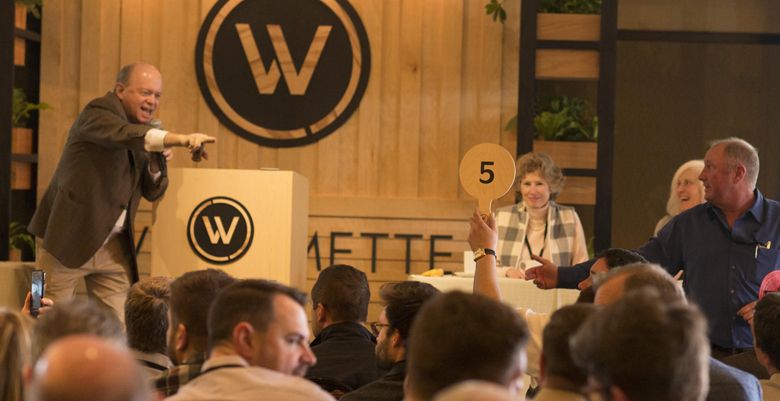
(573,47)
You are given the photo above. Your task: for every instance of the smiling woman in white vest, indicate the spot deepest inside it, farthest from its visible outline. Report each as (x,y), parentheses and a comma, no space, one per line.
(537,225)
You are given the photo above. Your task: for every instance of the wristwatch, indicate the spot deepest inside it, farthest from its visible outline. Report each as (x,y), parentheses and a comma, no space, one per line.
(481,252)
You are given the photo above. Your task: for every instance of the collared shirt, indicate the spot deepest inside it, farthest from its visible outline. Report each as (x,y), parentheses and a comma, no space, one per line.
(152,363)
(230,378)
(154,141)
(771,388)
(169,381)
(723,267)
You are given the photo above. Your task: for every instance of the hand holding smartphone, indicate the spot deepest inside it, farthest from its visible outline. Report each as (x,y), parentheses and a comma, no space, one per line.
(37,291)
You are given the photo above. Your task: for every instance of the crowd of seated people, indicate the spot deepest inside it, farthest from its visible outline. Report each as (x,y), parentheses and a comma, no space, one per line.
(208,336)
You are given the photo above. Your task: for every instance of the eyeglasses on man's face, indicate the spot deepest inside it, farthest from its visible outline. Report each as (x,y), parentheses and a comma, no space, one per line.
(376,327)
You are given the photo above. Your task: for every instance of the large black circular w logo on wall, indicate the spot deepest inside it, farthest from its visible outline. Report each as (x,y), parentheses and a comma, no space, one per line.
(283,73)
(220,230)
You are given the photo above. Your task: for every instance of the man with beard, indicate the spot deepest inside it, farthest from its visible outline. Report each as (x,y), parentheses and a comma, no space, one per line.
(402,301)
(191,296)
(258,347)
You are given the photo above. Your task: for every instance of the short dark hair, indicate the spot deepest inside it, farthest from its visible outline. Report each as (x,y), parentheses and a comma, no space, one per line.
(402,302)
(246,301)
(344,291)
(146,314)
(191,297)
(616,257)
(555,339)
(766,323)
(668,347)
(458,337)
(77,316)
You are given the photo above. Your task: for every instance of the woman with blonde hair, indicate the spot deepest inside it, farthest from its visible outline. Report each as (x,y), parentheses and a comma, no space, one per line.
(537,226)
(14,353)
(685,192)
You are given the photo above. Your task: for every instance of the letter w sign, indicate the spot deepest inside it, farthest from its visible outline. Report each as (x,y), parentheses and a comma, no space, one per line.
(220,234)
(297,79)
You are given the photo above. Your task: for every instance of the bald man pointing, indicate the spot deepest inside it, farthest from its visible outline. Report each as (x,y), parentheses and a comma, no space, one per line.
(113,157)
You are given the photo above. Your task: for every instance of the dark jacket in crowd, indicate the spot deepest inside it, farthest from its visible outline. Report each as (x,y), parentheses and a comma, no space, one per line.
(345,355)
(389,387)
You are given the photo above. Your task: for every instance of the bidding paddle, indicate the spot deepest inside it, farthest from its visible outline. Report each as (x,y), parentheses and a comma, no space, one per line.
(487,172)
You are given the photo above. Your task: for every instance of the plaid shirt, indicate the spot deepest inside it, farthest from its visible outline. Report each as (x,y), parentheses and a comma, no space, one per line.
(169,381)
(565,242)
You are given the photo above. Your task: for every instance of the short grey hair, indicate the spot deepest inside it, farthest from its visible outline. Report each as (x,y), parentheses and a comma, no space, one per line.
(542,164)
(739,151)
(123,77)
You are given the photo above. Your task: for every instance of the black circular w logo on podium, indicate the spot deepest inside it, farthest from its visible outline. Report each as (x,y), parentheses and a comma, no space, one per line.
(282,73)
(220,230)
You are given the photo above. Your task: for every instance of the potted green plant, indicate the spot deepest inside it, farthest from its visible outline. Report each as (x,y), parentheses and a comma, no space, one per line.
(18,240)
(22,138)
(566,129)
(21,108)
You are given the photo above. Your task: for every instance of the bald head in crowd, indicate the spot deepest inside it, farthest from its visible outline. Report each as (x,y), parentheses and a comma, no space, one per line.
(77,316)
(645,312)
(612,285)
(668,346)
(88,368)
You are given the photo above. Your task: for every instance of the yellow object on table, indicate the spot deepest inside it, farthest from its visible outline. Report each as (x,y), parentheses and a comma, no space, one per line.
(433,273)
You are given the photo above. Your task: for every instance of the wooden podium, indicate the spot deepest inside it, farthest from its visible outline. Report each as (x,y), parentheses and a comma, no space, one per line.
(249,223)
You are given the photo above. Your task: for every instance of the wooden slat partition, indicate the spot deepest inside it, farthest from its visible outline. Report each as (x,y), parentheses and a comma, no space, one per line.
(569,154)
(586,27)
(567,64)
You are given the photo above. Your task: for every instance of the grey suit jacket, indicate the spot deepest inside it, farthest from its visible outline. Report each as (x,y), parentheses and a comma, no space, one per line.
(103,170)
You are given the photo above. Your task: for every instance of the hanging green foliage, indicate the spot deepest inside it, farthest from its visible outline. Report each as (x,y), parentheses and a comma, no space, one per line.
(495,9)
(22,108)
(570,6)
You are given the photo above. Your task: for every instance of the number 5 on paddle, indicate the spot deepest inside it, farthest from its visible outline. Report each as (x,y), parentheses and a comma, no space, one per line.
(487,172)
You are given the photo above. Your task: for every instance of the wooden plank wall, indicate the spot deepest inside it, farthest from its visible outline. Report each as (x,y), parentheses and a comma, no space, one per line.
(443,79)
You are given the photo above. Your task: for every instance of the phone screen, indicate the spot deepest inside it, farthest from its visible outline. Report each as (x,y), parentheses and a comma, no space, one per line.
(38,281)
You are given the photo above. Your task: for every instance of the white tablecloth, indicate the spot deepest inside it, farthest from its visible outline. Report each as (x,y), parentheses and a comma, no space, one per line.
(516,292)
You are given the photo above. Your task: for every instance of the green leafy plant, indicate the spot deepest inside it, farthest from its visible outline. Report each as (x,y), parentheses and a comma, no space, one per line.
(563,118)
(495,9)
(18,237)
(22,108)
(34,6)
(570,6)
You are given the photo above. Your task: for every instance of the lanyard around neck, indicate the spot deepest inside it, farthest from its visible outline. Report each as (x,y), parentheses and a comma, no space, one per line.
(544,241)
